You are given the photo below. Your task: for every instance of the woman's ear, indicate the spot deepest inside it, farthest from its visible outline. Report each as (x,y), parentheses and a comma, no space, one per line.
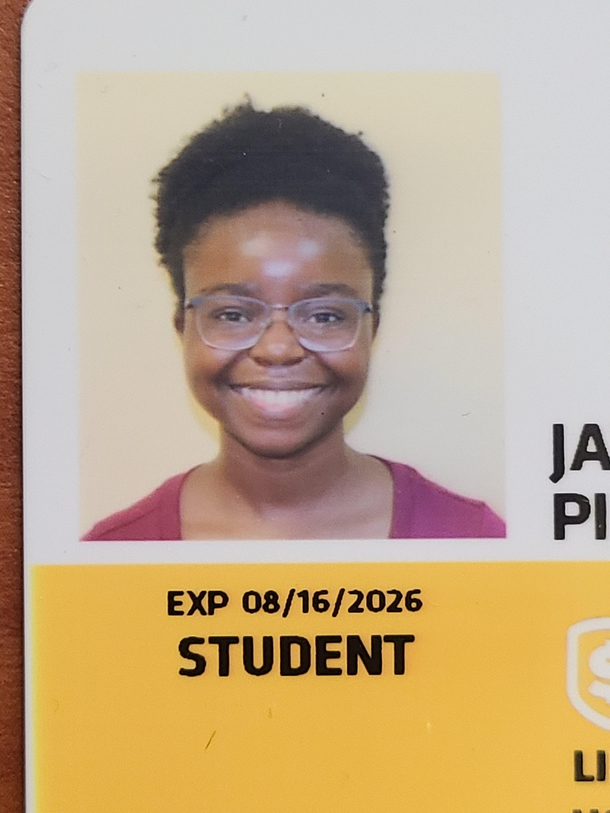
(375,321)
(179,318)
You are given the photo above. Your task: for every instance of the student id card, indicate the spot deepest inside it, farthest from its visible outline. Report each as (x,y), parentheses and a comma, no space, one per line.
(316,406)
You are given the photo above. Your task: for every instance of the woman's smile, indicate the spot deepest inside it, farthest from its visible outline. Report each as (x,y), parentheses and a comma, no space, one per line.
(277,403)
(277,397)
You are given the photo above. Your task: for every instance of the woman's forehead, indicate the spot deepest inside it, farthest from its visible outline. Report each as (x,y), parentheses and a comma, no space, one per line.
(277,242)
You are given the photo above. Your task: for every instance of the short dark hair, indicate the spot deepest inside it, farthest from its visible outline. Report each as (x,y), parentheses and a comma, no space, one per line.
(251,156)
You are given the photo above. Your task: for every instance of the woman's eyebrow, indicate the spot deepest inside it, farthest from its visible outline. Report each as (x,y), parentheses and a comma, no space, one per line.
(238,288)
(327,288)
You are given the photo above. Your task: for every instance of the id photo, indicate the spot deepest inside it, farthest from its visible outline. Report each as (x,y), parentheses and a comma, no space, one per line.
(290,306)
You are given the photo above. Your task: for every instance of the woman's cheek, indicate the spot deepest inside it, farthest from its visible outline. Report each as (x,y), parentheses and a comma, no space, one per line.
(204,372)
(352,367)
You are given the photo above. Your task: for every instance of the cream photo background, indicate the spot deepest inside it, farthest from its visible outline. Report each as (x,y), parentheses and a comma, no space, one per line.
(435,394)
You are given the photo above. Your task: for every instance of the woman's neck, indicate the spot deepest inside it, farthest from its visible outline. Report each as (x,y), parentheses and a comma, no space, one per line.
(283,483)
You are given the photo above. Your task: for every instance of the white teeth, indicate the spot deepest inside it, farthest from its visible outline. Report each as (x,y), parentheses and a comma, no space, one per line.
(277,400)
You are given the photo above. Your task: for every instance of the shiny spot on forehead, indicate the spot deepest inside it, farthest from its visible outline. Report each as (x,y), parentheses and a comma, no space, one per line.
(257,246)
(263,244)
(278,268)
(309,248)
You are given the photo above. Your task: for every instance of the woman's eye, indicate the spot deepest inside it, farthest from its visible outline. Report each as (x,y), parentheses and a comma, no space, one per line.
(326,317)
(233,316)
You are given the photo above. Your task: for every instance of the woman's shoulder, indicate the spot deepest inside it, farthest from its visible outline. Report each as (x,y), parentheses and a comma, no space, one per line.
(425,510)
(154,517)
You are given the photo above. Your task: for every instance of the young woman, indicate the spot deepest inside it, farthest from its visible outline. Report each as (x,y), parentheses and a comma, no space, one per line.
(271,226)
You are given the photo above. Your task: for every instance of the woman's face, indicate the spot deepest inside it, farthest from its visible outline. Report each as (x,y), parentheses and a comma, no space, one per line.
(277,398)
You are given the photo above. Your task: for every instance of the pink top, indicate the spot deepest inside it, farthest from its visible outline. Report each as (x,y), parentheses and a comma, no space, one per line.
(421,510)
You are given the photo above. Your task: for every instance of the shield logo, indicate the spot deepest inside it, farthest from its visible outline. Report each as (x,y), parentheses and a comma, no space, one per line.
(588,667)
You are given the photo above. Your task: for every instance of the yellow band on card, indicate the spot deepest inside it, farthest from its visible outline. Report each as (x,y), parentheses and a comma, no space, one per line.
(322,687)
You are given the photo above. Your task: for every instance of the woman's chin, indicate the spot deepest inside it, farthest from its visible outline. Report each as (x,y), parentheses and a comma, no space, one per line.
(279,445)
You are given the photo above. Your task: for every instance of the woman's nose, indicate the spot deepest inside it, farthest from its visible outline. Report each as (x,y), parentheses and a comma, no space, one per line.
(278,344)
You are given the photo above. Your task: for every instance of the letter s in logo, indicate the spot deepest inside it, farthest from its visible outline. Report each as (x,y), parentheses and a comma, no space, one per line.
(588,669)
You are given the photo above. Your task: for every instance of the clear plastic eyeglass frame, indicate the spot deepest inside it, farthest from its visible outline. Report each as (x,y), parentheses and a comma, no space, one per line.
(321,324)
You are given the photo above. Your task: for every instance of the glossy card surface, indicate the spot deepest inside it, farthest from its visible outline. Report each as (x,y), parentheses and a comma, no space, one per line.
(316,406)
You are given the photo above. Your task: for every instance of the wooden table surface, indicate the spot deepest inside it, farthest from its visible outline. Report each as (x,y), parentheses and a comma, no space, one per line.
(11,657)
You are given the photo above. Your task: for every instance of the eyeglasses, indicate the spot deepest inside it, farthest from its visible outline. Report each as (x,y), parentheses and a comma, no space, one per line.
(324,324)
